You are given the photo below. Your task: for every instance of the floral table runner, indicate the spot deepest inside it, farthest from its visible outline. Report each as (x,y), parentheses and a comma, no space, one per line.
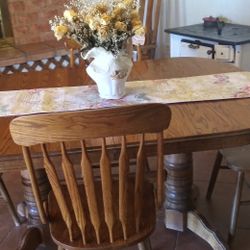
(177,90)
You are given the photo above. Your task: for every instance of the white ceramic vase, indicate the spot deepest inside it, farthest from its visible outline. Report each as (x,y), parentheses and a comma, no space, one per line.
(109,72)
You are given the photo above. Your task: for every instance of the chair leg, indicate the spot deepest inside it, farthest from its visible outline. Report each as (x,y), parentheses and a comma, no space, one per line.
(214,175)
(145,245)
(147,165)
(71,58)
(236,206)
(31,239)
(6,197)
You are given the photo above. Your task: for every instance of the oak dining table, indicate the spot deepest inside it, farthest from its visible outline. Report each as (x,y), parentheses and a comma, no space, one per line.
(195,126)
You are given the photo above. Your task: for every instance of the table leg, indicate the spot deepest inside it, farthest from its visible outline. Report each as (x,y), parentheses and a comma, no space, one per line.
(179,207)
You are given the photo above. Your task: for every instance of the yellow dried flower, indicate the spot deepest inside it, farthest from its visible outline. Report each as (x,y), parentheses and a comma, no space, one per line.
(139,30)
(120,26)
(105,19)
(93,24)
(101,8)
(60,31)
(128,3)
(103,32)
(117,12)
(135,22)
(99,23)
(134,14)
(87,18)
(69,15)
(121,5)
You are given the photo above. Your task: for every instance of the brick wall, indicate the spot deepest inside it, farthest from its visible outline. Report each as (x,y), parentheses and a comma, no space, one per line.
(30,19)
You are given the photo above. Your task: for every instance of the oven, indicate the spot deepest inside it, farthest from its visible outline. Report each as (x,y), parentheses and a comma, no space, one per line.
(187,47)
(232,46)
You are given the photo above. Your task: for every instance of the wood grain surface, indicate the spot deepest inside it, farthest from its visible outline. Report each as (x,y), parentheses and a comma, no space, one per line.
(194,126)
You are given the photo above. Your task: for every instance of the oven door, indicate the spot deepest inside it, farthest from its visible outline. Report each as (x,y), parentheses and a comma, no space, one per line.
(195,48)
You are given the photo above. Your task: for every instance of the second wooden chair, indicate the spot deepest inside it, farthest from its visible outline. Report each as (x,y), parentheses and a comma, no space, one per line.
(237,159)
(150,14)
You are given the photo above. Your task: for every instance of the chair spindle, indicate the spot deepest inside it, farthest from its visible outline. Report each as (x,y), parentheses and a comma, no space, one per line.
(160,173)
(156,20)
(57,190)
(88,179)
(71,182)
(105,170)
(149,18)
(139,179)
(29,164)
(123,186)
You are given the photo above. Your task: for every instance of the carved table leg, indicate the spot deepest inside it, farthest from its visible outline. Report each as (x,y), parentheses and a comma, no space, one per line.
(178,190)
(179,213)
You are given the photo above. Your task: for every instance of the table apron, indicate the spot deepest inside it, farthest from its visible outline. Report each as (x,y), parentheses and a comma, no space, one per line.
(188,145)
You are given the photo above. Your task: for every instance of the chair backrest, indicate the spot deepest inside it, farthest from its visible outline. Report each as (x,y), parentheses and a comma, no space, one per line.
(150,14)
(110,125)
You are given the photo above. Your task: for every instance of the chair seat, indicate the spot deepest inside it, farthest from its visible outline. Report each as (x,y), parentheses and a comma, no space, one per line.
(59,230)
(237,158)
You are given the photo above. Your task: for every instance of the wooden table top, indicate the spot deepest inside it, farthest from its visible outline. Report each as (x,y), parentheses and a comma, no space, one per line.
(194,126)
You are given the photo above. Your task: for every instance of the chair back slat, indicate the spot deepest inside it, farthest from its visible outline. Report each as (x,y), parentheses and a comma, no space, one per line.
(156,21)
(57,190)
(98,209)
(149,17)
(152,18)
(160,172)
(106,178)
(29,164)
(139,179)
(150,13)
(88,180)
(70,179)
(141,8)
(123,186)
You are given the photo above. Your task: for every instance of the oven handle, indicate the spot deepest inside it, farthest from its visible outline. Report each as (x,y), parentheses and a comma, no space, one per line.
(195,44)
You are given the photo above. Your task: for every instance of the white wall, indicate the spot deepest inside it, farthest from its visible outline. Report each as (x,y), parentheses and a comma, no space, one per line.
(238,11)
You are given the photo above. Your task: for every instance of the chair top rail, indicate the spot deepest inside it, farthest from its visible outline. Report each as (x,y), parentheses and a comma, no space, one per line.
(72,126)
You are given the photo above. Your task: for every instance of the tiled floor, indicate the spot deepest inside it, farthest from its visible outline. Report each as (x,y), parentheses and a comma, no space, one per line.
(217,213)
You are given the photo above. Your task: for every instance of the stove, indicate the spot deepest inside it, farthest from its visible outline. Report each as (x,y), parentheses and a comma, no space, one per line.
(231,45)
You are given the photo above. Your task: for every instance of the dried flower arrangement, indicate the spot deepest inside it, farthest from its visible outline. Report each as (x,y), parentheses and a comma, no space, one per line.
(99,23)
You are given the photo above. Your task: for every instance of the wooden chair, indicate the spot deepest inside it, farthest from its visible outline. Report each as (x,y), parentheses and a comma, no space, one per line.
(237,159)
(110,211)
(31,239)
(150,13)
